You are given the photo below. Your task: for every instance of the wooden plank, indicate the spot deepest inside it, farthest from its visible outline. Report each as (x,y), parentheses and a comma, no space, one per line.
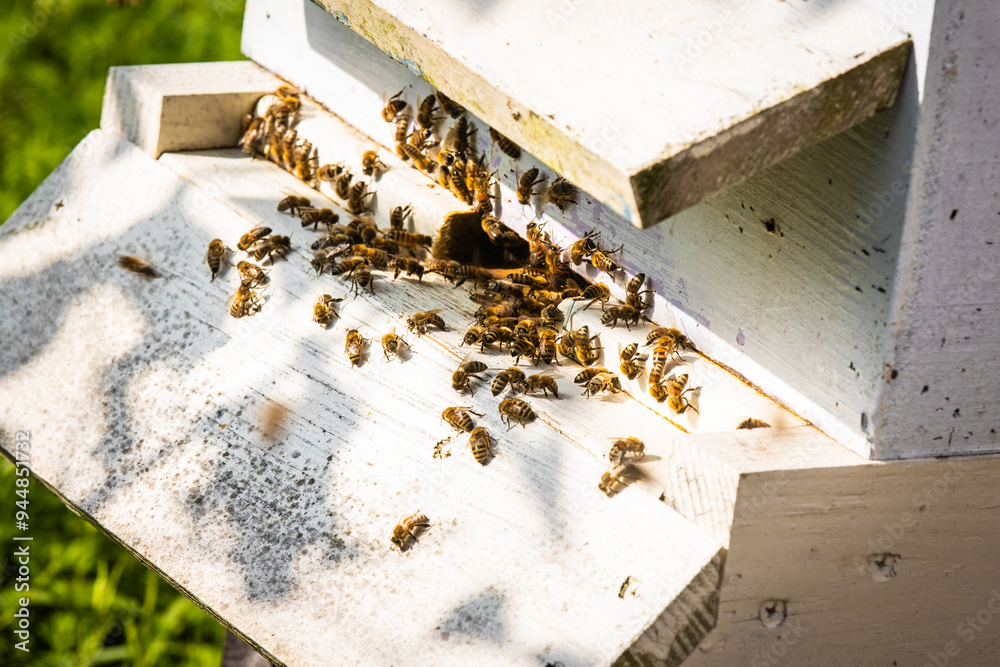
(941,380)
(802,313)
(815,539)
(182,107)
(155,430)
(650,108)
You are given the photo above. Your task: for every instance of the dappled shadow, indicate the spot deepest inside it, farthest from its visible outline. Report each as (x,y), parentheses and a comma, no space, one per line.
(481,617)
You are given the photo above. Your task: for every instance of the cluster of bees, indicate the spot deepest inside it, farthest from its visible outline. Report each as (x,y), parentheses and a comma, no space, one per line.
(518,314)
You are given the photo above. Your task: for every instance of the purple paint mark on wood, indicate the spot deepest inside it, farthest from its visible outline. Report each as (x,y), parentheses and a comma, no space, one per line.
(697,317)
(740,338)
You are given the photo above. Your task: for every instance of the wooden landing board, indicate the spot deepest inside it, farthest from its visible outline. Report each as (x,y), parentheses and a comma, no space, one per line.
(153,425)
(801,311)
(650,107)
(816,538)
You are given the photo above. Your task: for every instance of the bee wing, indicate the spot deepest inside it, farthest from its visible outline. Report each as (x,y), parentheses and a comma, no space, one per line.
(433,312)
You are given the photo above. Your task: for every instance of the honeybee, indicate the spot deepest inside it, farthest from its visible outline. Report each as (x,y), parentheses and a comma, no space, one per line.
(613,479)
(216,253)
(294,204)
(412,267)
(252,126)
(402,128)
(355,347)
(361,277)
(752,423)
(498,335)
(513,376)
(371,165)
(456,182)
(547,344)
(587,355)
(561,193)
(544,382)
(523,346)
(425,112)
(393,107)
(438,449)
(140,267)
(251,237)
(315,216)
(600,261)
(272,419)
(479,442)
(244,302)
(625,446)
(623,311)
(526,183)
(499,233)
(422,138)
(348,265)
(515,408)
(552,316)
(459,418)
(596,292)
(342,184)
(407,529)
(671,339)
(356,196)
(566,347)
(587,374)
(271,246)
(460,379)
(475,335)
(634,291)
(306,163)
(449,106)
(397,218)
(658,366)
(251,275)
(505,144)
(629,366)
(420,161)
(466,271)
(444,176)
(409,239)
(331,172)
(418,322)
(608,382)
(392,344)
(675,394)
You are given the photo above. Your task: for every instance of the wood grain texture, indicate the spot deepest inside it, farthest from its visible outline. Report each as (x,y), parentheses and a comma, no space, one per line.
(816,538)
(695,96)
(154,428)
(182,107)
(943,372)
(802,313)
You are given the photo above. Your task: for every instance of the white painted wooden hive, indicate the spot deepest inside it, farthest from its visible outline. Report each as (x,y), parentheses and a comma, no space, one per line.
(249,462)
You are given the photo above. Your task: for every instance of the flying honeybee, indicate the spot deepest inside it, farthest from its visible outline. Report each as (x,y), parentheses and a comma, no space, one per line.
(526,183)
(355,347)
(294,204)
(461,378)
(459,418)
(139,267)
(272,420)
(629,361)
(251,237)
(371,165)
(393,107)
(544,382)
(625,446)
(407,529)
(562,193)
(505,144)
(216,253)
(323,312)
(752,423)
(392,344)
(418,322)
(479,442)
(516,408)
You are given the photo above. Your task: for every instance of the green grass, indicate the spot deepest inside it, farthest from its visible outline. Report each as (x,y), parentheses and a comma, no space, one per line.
(91,602)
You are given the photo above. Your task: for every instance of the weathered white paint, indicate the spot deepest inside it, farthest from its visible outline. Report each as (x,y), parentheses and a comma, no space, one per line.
(943,365)
(651,107)
(153,430)
(802,313)
(181,107)
(814,538)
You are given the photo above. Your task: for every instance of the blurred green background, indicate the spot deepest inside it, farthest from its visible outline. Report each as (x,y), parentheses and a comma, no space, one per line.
(91,602)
